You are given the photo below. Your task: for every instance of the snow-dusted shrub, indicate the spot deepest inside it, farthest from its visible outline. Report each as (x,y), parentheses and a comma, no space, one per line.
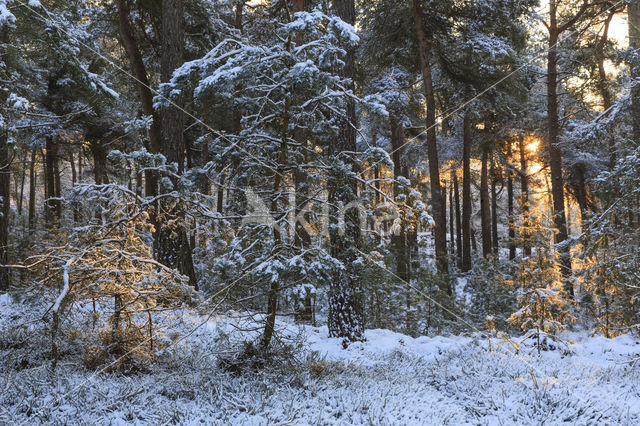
(109,287)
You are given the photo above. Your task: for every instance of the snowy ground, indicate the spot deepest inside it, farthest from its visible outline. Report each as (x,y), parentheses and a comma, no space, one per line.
(389,379)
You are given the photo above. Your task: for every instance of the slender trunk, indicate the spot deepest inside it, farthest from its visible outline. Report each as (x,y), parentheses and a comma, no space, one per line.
(5,194)
(51,181)
(452,235)
(399,238)
(456,190)
(603,86)
(494,210)
(510,213)
(466,190)
(32,189)
(23,178)
(555,154)
(437,198)
(485,207)
(130,44)
(633,12)
(524,191)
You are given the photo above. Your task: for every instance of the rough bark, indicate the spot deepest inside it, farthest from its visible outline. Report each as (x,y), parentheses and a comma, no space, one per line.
(485,207)
(466,192)
(456,191)
(32,189)
(139,70)
(494,210)
(52,202)
(5,200)
(633,13)
(554,152)
(345,317)
(172,242)
(437,198)
(510,211)
(524,191)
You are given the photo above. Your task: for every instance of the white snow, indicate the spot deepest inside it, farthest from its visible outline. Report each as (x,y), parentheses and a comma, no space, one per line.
(388,379)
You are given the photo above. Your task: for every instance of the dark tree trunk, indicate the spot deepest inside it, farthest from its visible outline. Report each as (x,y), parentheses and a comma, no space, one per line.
(510,212)
(23,178)
(99,154)
(452,235)
(456,190)
(345,317)
(494,210)
(485,207)
(524,191)
(172,242)
(555,155)
(399,239)
(466,191)
(5,200)
(437,198)
(32,189)
(130,44)
(52,179)
(634,44)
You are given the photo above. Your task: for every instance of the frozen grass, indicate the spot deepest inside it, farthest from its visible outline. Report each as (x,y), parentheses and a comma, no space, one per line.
(390,379)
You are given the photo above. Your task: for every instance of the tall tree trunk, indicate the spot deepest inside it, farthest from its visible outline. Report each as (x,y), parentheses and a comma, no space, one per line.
(452,220)
(130,44)
(172,242)
(466,190)
(494,210)
(5,188)
(485,207)
(524,191)
(555,154)
(510,211)
(32,189)
(51,181)
(399,239)
(345,317)
(603,85)
(23,178)
(437,198)
(633,13)
(456,190)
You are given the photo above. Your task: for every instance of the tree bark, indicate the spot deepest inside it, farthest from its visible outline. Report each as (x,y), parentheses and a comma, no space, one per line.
(494,210)
(524,191)
(555,154)
(466,191)
(345,317)
(130,44)
(437,198)
(5,196)
(633,13)
(456,190)
(485,207)
(52,202)
(32,189)
(510,211)
(173,248)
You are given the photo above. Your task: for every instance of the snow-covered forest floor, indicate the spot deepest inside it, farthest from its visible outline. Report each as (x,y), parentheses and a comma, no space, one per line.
(389,379)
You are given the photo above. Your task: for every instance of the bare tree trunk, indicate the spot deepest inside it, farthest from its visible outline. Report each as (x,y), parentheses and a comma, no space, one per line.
(494,210)
(633,12)
(524,191)
(510,212)
(172,242)
(555,155)
(32,189)
(5,191)
(345,316)
(456,191)
(52,210)
(466,190)
(485,207)
(23,178)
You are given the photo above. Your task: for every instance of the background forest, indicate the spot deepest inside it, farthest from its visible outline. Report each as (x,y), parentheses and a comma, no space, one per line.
(428,167)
